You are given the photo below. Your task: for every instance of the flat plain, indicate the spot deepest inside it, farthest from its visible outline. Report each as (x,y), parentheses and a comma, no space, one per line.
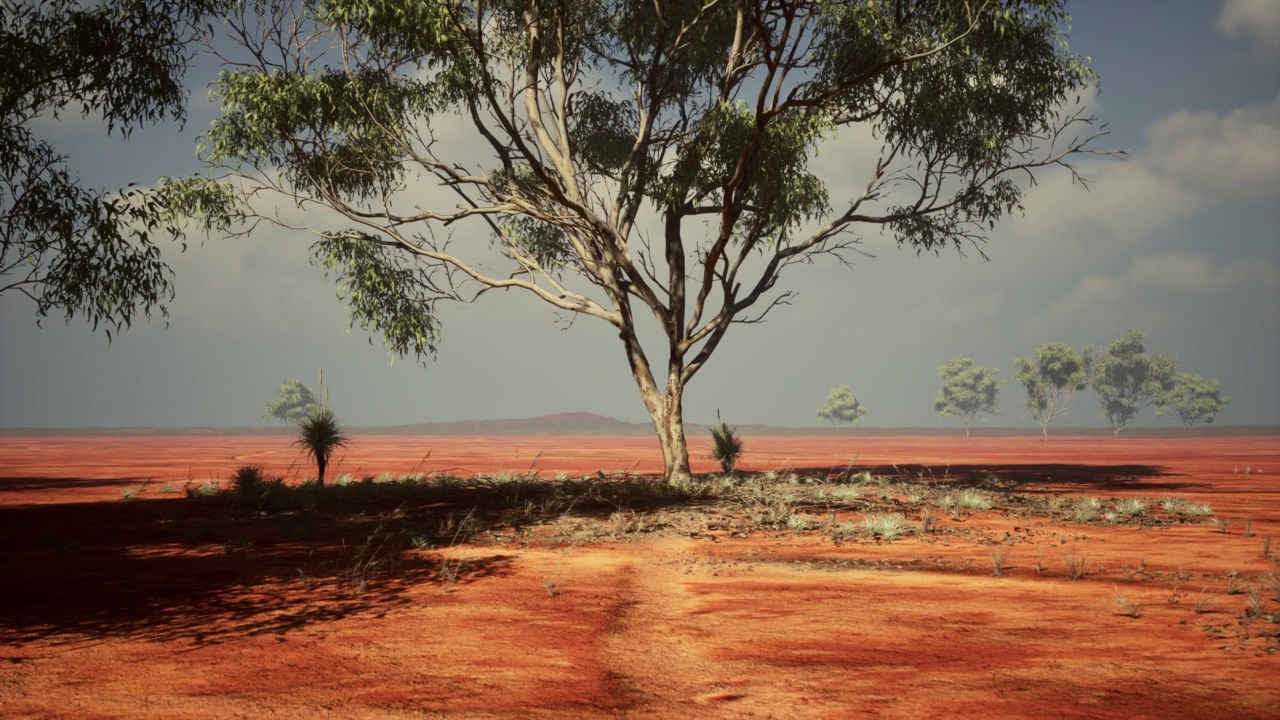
(555,577)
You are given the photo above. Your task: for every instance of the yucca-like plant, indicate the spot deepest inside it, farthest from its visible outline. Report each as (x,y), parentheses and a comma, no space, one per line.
(319,435)
(726,447)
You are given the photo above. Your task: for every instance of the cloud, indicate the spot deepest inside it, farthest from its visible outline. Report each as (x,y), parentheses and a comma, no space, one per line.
(1232,159)
(1174,291)
(1254,21)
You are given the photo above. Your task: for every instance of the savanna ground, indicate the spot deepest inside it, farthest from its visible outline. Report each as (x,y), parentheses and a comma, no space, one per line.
(476,577)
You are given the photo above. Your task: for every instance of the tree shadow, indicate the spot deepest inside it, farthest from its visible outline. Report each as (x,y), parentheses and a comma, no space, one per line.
(36,484)
(1024,477)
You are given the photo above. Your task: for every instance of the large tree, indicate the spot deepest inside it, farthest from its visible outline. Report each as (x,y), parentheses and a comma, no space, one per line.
(631,158)
(968,390)
(1052,381)
(1128,380)
(293,402)
(73,249)
(1195,398)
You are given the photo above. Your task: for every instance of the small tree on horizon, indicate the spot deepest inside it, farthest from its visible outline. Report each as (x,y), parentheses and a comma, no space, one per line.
(1195,399)
(842,406)
(967,391)
(1128,380)
(1052,382)
(293,402)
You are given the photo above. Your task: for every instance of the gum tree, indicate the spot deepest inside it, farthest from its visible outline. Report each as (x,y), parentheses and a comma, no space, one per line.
(73,249)
(1128,380)
(1052,381)
(842,406)
(1195,398)
(630,160)
(293,402)
(967,391)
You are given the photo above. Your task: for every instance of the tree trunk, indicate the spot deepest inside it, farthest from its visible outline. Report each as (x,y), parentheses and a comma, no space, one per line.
(320,463)
(669,422)
(1045,429)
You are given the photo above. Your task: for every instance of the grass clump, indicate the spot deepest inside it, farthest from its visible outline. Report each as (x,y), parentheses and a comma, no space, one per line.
(1196,510)
(974,500)
(801,522)
(1125,606)
(1133,507)
(889,526)
(1077,565)
(248,480)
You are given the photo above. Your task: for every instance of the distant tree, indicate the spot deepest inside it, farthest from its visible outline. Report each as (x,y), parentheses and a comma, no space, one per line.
(967,391)
(842,406)
(1052,382)
(294,401)
(1195,399)
(77,250)
(1127,379)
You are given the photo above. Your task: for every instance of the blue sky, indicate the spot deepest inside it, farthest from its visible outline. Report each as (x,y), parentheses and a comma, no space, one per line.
(1181,240)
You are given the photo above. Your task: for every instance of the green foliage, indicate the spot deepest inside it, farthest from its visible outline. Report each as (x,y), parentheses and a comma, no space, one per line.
(319,435)
(842,406)
(967,391)
(293,402)
(1195,399)
(75,250)
(726,446)
(1052,381)
(1128,380)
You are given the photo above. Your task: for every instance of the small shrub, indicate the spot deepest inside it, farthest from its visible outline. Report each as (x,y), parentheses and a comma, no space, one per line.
(248,480)
(801,522)
(1125,606)
(1173,505)
(344,480)
(997,561)
(845,529)
(1222,525)
(130,493)
(1256,604)
(974,500)
(1077,565)
(726,446)
(946,503)
(1236,584)
(167,488)
(928,521)
(1205,602)
(1266,548)
(889,527)
(1111,516)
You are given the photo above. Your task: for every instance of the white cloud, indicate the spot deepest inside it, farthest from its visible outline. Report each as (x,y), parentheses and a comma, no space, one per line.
(1233,158)
(1255,21)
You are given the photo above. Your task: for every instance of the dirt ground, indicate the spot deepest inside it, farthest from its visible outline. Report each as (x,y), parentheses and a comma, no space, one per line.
(131,593)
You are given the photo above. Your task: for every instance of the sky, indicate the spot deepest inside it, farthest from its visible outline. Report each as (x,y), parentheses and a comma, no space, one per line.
(1181,239)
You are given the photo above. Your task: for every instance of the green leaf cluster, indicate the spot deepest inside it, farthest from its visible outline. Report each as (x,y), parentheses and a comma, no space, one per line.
(1128,380)
(842,406)
(967,391)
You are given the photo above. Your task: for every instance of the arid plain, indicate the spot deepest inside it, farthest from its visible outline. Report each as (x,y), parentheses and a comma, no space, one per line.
(441,578)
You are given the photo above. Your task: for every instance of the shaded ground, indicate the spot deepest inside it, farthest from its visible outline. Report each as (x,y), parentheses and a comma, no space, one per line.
(447,595)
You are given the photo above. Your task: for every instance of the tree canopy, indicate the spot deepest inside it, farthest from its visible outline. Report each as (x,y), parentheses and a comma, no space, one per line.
(293,402)
(1195,399)
(842,406)
(1052,381)
(967,391)
(1128,380)
(619,158)
(69,248)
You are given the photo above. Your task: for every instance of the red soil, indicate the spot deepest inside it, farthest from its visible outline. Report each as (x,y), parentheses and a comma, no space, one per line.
(108,613)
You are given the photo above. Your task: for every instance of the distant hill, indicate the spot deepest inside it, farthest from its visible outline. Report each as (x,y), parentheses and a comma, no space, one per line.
(585,423)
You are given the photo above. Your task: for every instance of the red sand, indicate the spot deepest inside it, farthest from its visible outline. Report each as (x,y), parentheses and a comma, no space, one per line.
(105,615)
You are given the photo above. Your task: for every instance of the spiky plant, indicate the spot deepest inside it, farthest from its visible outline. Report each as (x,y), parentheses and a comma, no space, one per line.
(726,447)
(319,435)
